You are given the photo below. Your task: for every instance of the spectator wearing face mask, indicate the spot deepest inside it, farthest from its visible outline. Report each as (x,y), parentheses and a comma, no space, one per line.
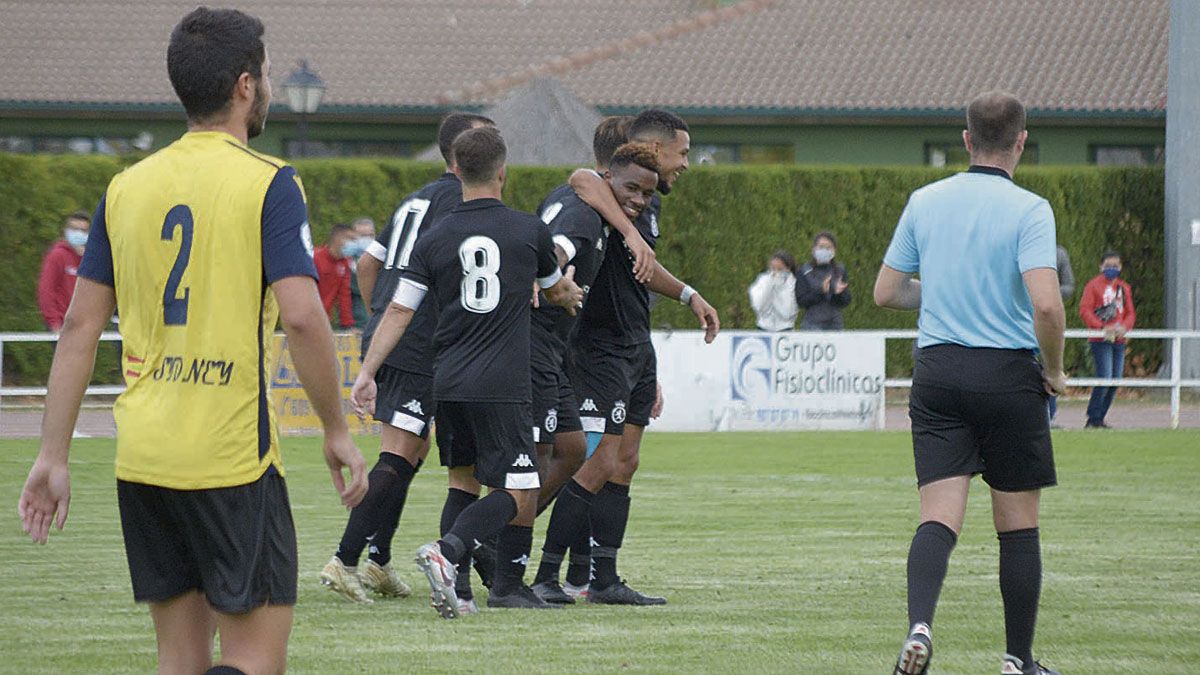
(56,284)
(364,234)
(773,294)
(1107,304)
(822,286)
(333,261)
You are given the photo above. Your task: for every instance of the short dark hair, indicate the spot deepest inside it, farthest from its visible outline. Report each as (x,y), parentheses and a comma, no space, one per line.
(338,228)
(479,154)
(995,119)
(611,133)
(788,260)
(454,124)
(208,52)
(641,154)
(825,235)
(78,215)
(656,124)
(1109,254)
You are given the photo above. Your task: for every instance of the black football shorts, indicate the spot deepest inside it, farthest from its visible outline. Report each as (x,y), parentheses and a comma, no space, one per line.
(614,385)
(404,400)
(237,545)
(495,438)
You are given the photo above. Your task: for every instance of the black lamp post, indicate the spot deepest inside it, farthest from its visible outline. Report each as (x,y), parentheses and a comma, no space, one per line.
(304,90)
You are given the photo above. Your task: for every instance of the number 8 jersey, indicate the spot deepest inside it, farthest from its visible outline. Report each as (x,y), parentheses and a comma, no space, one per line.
(190,238)
(479,265)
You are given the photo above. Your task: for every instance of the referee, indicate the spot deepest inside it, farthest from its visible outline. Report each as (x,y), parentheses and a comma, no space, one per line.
(989,306)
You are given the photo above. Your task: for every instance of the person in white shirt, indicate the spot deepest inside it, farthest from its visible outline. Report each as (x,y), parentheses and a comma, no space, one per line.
(773,294)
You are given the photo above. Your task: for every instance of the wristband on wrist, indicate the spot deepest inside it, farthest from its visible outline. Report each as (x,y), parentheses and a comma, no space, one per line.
(685,296)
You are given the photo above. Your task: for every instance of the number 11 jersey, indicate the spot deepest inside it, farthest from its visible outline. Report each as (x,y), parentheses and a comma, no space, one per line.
(190,238)
(479,265)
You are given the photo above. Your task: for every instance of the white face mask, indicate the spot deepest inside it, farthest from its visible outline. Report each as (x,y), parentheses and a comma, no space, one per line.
(76,238)
(822,255)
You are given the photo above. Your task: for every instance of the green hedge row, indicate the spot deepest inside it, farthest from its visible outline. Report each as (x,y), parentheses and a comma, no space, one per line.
(718,226)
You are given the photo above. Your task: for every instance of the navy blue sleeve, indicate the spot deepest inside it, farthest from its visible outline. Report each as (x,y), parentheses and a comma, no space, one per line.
(97,263)
(286,238)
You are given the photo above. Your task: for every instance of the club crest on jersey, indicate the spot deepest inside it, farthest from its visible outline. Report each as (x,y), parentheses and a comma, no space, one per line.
(551,420)
(588,406)
(523,461)
(618,412)
(413,406)
(654,224)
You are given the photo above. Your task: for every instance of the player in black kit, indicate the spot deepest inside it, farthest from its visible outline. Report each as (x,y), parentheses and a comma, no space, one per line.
(478,265)
(581,238)
(615,367)
(405,405)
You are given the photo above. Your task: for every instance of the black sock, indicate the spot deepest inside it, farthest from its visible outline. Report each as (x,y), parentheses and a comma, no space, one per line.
(478,521)
(364,522)
(567,520)
(609,515)
(224,670)
(579,567)
(390,507)
(1020,586)
(456,501)
(512,556)
(928,558)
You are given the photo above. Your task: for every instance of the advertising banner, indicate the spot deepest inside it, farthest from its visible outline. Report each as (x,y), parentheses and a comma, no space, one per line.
(293,409)
(756,381)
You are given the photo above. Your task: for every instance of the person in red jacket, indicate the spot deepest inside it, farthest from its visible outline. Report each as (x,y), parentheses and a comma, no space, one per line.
(334,267)
(1107,304)
(56,284)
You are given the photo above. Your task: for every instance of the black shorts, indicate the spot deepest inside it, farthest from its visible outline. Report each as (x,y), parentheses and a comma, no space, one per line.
(981,411)
(237,545)
(614,385)
(555,409)
(405,400)
(495,438)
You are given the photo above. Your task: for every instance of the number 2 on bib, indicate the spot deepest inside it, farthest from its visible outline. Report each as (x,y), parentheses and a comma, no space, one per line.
(480,257)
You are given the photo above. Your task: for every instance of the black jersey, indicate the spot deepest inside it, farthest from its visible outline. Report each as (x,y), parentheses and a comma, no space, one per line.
(414,217)
(479,266)
(618,308)
(580,231)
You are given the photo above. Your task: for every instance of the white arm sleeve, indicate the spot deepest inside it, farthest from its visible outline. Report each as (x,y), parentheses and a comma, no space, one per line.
(564,242)
(377,251)
(547,282)
(410,294)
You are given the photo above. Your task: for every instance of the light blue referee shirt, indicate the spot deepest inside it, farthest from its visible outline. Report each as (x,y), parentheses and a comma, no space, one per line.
(970,237)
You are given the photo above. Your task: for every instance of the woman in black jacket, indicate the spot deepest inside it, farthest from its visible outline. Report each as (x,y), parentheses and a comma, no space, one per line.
(822,287)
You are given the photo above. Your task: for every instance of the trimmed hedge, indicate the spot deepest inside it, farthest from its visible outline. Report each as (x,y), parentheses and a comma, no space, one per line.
(719,226)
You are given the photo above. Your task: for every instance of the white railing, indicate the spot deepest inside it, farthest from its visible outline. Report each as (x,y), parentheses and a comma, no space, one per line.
(1174,382)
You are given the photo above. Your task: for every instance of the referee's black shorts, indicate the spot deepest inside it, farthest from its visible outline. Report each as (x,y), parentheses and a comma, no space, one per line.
(237,545)
(981,411)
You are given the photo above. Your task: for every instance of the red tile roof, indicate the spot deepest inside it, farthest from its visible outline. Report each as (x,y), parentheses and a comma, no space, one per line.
(786,56)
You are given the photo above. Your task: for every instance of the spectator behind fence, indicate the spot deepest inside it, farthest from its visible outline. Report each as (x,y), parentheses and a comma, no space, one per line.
(1107,304)
(822,287)
(364,234)
(773,294)
(56,283)
(333,268)
(1066,288)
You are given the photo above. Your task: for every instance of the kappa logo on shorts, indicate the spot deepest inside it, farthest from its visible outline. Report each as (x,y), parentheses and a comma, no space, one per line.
(588,406)
(523,461)
(618,412)
(413,406)
(551,420)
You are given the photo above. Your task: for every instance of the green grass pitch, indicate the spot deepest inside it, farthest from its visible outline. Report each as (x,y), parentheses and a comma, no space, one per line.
(779,553)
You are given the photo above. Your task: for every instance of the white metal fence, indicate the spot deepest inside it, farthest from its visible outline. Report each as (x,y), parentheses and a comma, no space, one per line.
(1174,382)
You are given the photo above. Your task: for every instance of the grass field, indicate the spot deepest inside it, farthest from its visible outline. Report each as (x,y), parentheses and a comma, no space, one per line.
(779,553)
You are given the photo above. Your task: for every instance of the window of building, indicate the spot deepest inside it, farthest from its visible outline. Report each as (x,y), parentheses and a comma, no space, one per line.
(77,145)
(737,153)
(954,154)
(294,147)
(1128,155)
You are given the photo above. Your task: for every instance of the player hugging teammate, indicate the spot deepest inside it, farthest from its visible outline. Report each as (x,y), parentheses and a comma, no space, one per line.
(595,374)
